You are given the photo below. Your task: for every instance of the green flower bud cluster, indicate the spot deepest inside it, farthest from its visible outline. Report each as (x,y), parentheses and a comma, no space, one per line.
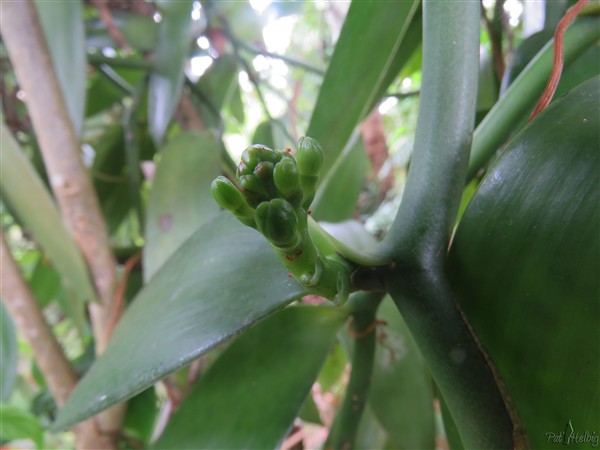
(275,191)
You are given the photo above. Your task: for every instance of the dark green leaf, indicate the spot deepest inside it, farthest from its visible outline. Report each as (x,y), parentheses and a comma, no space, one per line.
(339,190)
(180,200)
(525,261)
(219,282)
(142,412)
(28,199)
(166,79)
(62,23)
(8,354)
(252,393)
(354,77)
(401,394)
(20,424)
(109,174)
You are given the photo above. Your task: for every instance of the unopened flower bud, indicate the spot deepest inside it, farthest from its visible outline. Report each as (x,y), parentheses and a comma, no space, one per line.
(278,222)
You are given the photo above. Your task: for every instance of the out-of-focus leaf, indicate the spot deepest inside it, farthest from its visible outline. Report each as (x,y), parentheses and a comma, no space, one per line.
(242,18)
(20,424)
(109,174)
(333,368)
(166,79)
(370,433)
(309,411)
(29,201)
(487,91)
(62,23)
(270,133)
(338,193)
(221,281)
(236,105)
(180,200)
(401,394)
(524,264)
(219,85)
(357,71)
(285,7)
(140,32)
(407,57)
(45,282)
(142,412)
(8,354)
(252,393)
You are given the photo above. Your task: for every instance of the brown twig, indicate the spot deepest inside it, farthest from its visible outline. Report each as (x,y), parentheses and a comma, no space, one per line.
(70,181)
(558,60)
(55,367)
(496,41)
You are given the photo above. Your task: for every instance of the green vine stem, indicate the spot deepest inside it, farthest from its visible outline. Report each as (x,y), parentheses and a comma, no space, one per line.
(419,237)
(525,90)
(363,307)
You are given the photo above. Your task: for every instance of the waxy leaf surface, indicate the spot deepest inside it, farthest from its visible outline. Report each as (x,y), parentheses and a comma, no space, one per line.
(251,395)
(525,263)
(222,280)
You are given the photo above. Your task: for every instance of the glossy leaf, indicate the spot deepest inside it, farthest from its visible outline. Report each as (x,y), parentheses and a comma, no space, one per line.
(62,23)
(29,201)
(401,394)
(166,79)
(338,193)
(252,393)
(197,300)
(524,263)
(357,70)
(180,200)
(20,424)
(8,354)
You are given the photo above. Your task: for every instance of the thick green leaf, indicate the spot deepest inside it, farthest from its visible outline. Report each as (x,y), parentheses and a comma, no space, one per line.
(166,79)
(525,263)
(252,393)
(28,199)
(357,70)
(62,23)
(401,394)
(8,354)
(219,282)
(180,200)
(20,424)
(337,196)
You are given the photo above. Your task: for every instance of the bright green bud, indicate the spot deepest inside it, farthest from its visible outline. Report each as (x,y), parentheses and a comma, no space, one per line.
(277,221)
(309,157)
(226,194)
(230,198)
(285,176)
(254,155)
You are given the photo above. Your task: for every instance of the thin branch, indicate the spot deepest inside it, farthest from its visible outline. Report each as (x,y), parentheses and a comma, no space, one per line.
(55,367)
(558,57)
(70,181)
(113,30)
(126,63)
